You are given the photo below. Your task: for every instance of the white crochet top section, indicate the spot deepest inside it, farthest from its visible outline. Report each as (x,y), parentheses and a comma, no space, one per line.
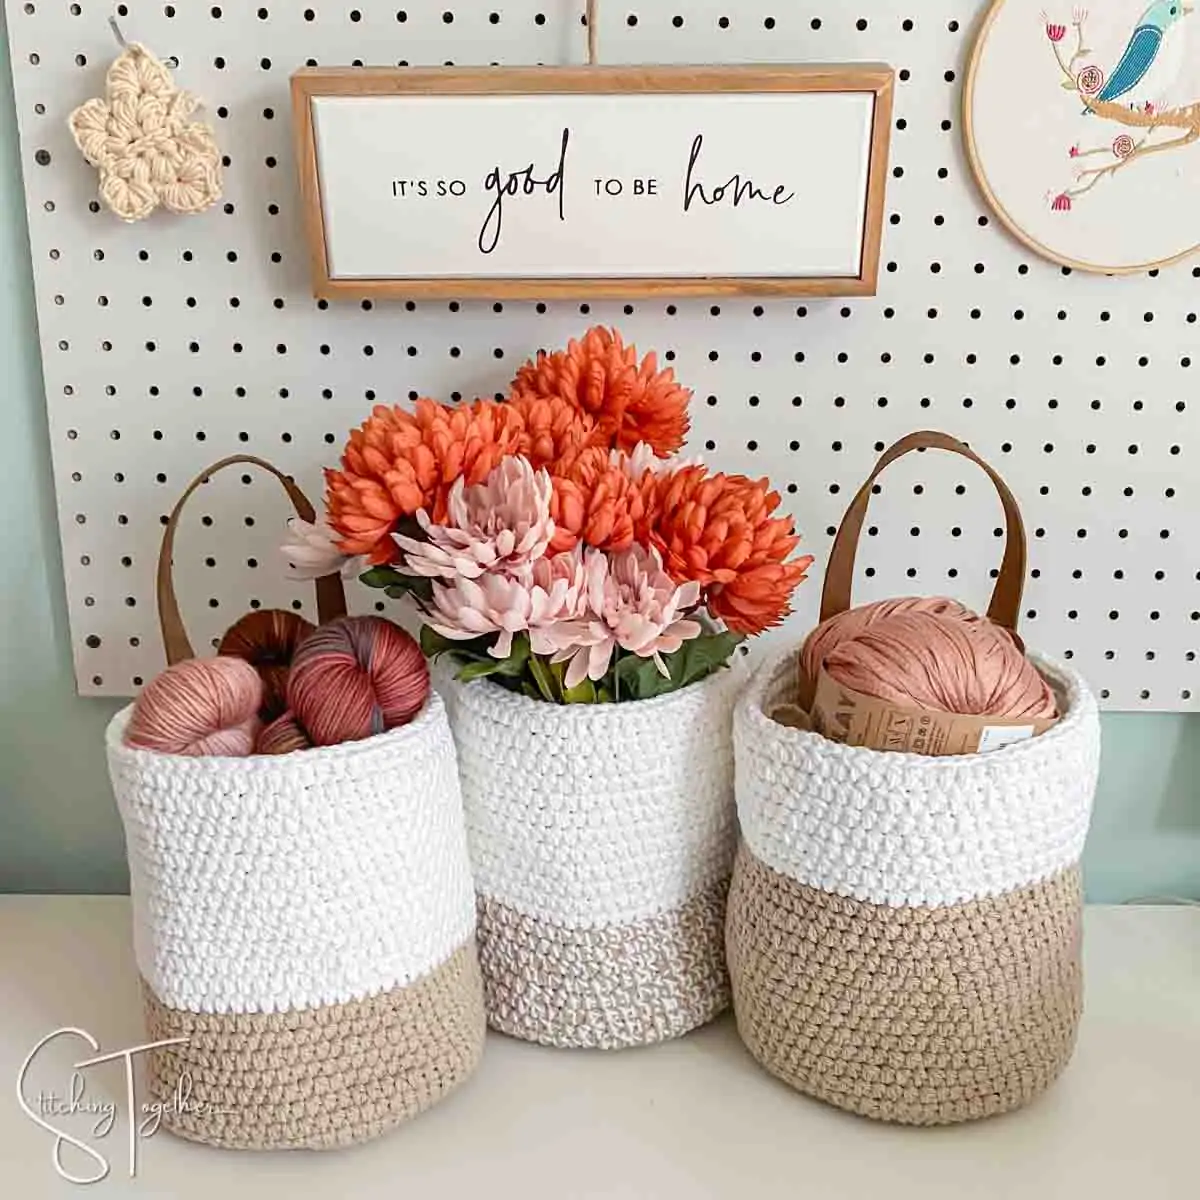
(902,829)
(272,883)
(600,814)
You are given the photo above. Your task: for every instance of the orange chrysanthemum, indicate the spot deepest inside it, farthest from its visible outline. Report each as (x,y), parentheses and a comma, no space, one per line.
(600,375)
(399,462)
(555,431)
(719,531)
(597,502)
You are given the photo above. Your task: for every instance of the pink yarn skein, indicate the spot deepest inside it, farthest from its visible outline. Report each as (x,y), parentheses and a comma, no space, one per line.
(929,653)
(203,706)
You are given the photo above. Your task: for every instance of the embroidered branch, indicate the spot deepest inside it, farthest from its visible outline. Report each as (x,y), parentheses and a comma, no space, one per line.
(1086,83)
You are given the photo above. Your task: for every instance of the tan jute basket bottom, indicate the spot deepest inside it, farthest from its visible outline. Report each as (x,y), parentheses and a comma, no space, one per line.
(924,1016)
(605,988)
(322,1077)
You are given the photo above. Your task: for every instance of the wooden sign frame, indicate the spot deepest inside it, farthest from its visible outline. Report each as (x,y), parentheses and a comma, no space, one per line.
(309,84)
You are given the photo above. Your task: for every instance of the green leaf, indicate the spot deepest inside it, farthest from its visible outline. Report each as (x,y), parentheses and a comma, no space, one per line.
(480,670)
(637,678)
(547,685)
(485,665)
(582,693)
(640,679)
(397,584)
(514,665)
(434,645)
(419,589)
(702,656)
(381,577)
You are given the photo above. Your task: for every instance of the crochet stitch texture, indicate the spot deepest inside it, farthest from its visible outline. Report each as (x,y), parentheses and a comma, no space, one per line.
(904,932)
(142,141)
(307,922)
(602,839)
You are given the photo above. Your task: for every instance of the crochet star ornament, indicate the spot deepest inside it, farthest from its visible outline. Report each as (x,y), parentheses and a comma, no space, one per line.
(142,141)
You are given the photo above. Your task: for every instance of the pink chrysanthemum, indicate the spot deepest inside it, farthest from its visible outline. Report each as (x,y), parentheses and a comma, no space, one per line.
(632,603)
(495,526)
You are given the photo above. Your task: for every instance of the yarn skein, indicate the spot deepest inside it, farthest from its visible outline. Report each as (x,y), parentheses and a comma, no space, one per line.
(199,707)
(356,677)
(283,736)
(929,653)
(267,640)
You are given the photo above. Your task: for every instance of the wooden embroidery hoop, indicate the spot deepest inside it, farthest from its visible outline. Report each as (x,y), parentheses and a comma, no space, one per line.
(977,169)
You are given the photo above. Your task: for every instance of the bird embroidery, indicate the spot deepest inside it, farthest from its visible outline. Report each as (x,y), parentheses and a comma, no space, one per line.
(1143,49)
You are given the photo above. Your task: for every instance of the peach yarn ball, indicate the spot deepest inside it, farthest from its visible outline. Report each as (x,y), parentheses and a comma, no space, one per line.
(929,653)
(203,706)
(356,677)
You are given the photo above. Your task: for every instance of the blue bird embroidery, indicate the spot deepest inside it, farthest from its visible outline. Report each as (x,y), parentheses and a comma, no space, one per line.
(1142,49)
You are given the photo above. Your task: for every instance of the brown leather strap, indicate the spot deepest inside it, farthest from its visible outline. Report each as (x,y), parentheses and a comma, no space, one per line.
(331,596)
(1005,607)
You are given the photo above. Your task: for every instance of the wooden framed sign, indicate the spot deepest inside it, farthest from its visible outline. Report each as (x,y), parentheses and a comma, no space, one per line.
(594,181)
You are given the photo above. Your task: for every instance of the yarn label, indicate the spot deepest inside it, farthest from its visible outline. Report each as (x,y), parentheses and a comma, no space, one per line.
(855,719)
(993,737)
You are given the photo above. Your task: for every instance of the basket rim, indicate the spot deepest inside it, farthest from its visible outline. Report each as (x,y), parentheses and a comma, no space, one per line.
(1068,684)
(418,730)
(529,711)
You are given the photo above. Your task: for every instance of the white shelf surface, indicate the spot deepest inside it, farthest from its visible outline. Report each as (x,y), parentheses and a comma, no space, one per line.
(693,1119)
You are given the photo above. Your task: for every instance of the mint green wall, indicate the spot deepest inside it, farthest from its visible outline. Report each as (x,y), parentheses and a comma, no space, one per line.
(58,826)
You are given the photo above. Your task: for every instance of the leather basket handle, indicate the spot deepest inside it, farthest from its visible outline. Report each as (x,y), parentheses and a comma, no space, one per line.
(1005,606)
(331,595)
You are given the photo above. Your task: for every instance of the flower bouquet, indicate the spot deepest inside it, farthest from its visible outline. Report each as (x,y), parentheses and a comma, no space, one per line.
(591,587)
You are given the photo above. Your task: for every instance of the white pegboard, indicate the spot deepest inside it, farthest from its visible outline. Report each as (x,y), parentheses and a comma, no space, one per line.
(172,343)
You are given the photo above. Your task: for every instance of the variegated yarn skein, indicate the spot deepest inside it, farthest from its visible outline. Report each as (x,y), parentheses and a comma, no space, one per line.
(356,677)
(283,736)
(267,640)
(929,653)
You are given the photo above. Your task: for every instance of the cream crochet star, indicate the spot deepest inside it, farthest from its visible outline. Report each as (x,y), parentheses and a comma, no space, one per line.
(146,149)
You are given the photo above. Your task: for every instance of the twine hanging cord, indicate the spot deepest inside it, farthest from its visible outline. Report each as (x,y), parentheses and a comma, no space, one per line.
(593,31)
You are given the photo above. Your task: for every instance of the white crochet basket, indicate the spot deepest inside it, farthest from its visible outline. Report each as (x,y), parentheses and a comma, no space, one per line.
(304,932)
(904,931)
(602,839)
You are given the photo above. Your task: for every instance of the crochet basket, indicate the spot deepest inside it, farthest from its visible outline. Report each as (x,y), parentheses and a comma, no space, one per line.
(303,927)
(904,932)
(602,839)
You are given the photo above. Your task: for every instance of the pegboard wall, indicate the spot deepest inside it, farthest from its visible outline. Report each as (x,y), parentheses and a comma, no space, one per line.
(172,343)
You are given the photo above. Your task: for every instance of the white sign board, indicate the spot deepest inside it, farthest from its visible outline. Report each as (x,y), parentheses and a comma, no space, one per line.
(594,181)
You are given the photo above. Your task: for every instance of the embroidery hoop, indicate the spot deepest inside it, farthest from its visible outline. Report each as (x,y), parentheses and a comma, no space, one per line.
(1027,239)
